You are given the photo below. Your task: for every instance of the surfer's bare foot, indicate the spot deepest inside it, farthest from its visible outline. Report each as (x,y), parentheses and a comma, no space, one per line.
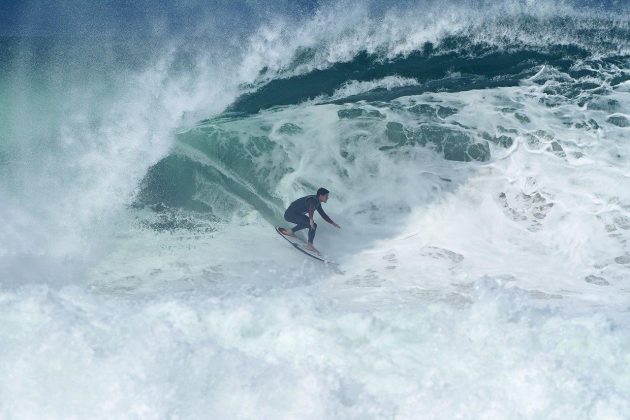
(287,232)
(310,247)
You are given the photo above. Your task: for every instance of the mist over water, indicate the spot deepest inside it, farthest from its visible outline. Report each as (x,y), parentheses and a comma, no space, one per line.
(477,158)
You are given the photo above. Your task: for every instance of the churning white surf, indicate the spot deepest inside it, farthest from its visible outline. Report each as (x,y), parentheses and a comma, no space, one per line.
(484,242)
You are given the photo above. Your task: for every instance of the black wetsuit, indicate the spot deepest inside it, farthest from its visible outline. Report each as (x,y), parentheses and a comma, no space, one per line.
(296,213)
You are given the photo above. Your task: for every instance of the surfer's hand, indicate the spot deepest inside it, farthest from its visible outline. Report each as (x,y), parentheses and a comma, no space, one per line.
(336,225)
(312,224)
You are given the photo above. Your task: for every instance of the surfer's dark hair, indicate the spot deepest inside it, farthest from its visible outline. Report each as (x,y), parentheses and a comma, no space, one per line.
(322,191)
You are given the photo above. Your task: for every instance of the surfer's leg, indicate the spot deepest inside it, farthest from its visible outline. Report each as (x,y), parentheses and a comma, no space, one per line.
(301,223)
(309,246)
(286,232)
(300,220)
(311,233)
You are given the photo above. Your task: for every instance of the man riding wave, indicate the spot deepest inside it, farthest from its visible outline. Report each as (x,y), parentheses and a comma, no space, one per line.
(297,213)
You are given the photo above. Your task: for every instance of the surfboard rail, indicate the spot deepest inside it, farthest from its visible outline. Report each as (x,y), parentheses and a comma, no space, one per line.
(299,243)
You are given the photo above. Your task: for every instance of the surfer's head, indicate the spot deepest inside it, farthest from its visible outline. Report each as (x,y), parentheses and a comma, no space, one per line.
(322,194)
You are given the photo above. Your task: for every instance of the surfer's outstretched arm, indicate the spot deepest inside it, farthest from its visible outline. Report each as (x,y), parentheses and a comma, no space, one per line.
(322,213)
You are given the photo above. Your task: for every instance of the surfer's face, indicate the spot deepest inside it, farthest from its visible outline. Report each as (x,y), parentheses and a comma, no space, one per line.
(323,198)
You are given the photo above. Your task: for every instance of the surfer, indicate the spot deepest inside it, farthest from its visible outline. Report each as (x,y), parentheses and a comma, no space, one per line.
(297,211)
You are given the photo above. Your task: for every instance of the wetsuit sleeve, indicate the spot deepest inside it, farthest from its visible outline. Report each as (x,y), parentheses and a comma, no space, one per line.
(322,213)
(311,209)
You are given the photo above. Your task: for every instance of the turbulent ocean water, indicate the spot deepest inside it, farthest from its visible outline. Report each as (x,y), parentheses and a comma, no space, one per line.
(478,158)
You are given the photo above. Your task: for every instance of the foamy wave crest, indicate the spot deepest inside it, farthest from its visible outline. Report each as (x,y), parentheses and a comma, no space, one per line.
(355,87)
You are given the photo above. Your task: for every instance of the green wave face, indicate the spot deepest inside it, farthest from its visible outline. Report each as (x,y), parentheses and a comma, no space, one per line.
(378,107)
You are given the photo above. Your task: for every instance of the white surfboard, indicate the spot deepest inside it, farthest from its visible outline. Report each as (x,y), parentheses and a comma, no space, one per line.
(300,245)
